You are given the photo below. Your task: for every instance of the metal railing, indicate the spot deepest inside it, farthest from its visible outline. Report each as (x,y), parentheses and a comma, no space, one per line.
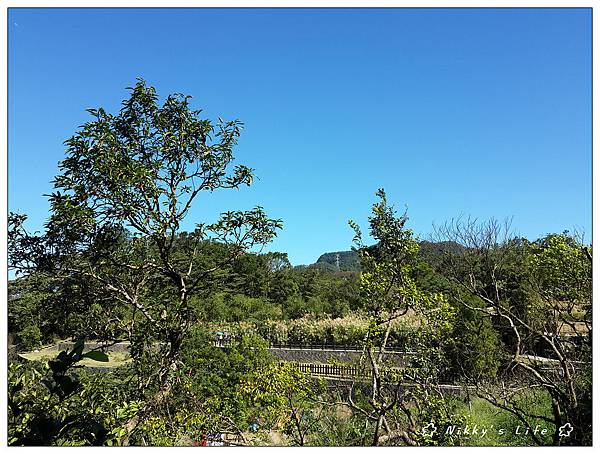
(227,341)
(350,371)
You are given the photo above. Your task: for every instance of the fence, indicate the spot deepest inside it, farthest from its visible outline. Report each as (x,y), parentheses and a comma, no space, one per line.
(329,370)
(351,371)
(316,346)
(227,341)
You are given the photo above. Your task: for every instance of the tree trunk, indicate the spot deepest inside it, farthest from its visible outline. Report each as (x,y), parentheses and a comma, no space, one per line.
(377,428)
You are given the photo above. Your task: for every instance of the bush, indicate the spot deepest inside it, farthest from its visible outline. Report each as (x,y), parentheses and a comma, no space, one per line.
(316,329)
(227,307)
(29,338)
(213,375)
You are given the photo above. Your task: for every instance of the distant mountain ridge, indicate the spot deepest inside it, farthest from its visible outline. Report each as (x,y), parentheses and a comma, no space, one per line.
(339,261)
(348,260)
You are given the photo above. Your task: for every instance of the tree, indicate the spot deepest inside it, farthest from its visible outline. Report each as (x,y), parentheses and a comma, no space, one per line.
(399,400)
(28,317)
(284,394)
(207,393)
(125,187)
(538,298)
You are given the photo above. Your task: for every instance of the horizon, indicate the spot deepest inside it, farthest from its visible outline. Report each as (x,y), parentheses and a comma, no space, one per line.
(481,112)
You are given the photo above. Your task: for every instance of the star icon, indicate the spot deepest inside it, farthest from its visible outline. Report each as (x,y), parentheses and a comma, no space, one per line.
(565,430)
(429,429)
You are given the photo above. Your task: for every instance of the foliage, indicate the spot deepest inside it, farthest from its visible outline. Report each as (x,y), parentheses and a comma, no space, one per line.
(502,427)
(30,318)
(228,307)
(284,394)
(44,406)
(538,297)
(315,329)
(477,352)
(480,306)
(206,395)
(126,185)
(389,291)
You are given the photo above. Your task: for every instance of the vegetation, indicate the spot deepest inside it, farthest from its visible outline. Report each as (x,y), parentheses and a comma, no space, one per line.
(339,261)
(476,328)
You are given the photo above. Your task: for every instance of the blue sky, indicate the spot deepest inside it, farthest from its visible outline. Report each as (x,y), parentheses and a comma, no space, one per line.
(482,112)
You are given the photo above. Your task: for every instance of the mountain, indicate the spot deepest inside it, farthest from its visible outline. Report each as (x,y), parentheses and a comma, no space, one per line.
(339,261)
(348,260)
(432,251)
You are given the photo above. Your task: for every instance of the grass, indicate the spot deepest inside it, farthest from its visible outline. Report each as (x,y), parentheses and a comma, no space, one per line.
(502,425)
(115,359)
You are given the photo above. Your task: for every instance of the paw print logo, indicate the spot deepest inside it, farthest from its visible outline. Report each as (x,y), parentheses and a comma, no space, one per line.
(565,430)
(429,429)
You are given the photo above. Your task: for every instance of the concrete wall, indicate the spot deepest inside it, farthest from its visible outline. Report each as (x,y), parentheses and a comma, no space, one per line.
(120,347)
(324,356)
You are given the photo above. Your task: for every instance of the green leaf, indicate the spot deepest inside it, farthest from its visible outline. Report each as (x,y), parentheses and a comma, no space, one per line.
(77,348)
(96,356)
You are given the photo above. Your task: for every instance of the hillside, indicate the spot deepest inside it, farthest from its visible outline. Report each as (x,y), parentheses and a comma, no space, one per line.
(339,261)
(348,260)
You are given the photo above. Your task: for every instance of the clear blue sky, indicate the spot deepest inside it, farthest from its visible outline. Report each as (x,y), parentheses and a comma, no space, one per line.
(484,112)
